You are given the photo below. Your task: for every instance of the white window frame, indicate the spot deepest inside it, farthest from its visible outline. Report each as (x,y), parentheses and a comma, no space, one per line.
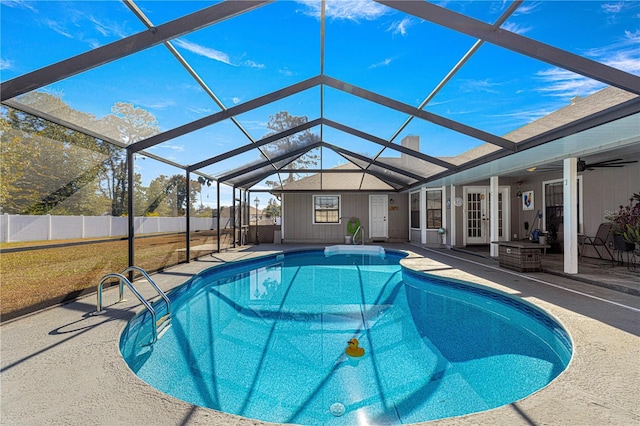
(313,209)
(442,190)
(411,194)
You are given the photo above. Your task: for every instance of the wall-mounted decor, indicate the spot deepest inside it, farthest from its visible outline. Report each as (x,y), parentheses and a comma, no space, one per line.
(527,200)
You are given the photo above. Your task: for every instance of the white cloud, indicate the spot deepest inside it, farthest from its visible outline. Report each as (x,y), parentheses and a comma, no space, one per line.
(623,55)
(253,64)
(628,61)
(57,27)
(5,64)
(384,63)
(632,37)
(207,52)
(236,100)
(400,27)
(200,111)
(526,9)
(108,28)
(612,7)
(164,104)
(19,3)
(515,28)
(567,84)
(286,72)
(352,10)
(178,148)
(254,125)
(485,86)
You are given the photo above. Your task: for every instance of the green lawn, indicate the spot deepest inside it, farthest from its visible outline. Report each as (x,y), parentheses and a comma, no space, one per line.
(33,279)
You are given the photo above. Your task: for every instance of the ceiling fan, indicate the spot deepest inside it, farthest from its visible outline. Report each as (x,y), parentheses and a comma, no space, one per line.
(618,162)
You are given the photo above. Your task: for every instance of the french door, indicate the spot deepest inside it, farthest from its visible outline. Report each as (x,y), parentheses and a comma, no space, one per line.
(477,211)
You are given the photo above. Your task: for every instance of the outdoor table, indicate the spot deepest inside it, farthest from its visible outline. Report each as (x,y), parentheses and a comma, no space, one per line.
(521,256)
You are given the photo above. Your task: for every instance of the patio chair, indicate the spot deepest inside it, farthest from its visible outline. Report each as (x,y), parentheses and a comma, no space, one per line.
(600,240)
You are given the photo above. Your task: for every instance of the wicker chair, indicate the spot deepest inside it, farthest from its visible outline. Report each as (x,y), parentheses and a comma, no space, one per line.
(600,240)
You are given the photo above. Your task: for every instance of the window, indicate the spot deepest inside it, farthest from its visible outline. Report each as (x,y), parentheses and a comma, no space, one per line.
(434,209)
(415,210)
(326,209)
(553,206)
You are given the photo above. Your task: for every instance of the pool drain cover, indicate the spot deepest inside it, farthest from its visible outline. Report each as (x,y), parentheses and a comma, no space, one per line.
(337,409)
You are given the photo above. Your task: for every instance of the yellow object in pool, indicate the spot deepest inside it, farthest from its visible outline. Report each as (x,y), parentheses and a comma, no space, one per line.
(353,349)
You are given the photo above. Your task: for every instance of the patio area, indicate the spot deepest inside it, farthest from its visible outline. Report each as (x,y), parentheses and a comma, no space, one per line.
(63,366)
(617,276)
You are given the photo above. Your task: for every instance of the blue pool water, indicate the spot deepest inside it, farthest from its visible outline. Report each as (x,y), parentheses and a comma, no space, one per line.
(265,339)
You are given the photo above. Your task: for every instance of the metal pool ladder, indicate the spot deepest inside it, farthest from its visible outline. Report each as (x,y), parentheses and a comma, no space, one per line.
(160,325)
(360,230)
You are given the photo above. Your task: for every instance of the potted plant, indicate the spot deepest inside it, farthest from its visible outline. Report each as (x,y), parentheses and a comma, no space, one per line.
(626,225)
(352,227)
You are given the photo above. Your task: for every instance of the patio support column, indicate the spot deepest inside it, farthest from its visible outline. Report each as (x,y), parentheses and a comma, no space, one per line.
(281,216)
(494,224)
(233,215)
(570,217)
(423,216)
(188,217)
(240,212)
(247,215)
(452,223)
(218,210)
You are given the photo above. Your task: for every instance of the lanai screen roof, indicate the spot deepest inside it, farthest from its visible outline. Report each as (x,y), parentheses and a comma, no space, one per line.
(456,81)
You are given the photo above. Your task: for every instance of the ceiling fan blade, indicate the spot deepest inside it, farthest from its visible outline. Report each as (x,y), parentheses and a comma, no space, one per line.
(616,162)
(625,162)
(604,162)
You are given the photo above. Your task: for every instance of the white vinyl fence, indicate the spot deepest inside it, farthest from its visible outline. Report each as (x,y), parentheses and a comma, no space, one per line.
(15,228)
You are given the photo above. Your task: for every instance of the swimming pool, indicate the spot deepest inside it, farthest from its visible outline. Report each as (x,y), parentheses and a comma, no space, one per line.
(266,339)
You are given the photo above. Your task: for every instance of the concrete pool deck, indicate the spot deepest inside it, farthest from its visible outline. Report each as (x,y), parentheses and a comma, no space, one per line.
(62,365)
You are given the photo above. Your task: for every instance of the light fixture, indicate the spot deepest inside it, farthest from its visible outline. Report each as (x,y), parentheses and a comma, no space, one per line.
(531,169)
(519,193)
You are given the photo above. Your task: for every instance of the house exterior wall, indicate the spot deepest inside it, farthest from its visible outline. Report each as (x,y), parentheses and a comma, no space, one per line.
(298,223)
(603,191)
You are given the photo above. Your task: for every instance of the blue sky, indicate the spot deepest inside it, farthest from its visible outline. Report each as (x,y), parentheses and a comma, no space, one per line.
(367,45)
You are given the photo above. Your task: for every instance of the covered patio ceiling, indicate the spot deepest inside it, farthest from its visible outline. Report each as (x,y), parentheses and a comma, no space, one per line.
(352,126)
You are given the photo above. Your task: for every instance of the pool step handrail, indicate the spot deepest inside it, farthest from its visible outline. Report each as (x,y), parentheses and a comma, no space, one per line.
(159,325)
(153,284)
(361,230)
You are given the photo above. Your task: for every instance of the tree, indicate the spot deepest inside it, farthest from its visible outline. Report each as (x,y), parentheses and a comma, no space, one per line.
(168,195)
(127,124)
(48,168)
(272,210)
(283,121)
